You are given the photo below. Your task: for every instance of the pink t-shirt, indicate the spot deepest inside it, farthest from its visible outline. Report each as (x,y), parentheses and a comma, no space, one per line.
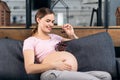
(41,47)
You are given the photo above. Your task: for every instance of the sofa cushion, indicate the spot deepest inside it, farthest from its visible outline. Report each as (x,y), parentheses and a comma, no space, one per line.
(12,62)
(118,66)
(94,52)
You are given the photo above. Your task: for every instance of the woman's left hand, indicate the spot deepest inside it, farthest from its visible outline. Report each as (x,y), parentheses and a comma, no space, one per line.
(68,29)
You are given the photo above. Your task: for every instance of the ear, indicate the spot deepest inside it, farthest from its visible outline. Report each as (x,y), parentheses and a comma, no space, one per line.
(38,20)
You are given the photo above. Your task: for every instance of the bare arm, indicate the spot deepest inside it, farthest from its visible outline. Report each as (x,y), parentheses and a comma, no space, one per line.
(32,67)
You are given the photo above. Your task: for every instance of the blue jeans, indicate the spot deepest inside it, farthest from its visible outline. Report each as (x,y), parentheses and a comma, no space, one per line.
(72,75)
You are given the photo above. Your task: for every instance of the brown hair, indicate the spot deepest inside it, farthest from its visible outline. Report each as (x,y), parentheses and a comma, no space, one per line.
(40,14)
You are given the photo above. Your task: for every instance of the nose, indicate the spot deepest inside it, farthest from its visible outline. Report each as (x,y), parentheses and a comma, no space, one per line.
(51,24)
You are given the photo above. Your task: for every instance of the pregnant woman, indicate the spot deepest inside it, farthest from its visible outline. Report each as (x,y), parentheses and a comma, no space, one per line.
(52,64)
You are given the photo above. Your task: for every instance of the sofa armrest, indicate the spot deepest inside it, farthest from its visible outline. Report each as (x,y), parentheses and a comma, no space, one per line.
(118,66)
(12,62)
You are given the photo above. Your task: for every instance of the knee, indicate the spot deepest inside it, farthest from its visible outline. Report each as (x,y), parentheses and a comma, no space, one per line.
(50,76)
(101,75)
(107,76)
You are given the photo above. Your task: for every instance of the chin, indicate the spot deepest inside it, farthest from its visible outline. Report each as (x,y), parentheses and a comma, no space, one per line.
(48,31)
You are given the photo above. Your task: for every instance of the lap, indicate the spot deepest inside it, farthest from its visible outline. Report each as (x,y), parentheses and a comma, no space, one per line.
(100,74)
(73,75)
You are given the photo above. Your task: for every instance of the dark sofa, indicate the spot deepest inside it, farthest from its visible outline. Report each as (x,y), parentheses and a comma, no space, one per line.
(93,52)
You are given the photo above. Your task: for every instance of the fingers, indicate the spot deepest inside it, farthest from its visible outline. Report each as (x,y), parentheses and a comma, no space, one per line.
(62,65)
(68,67)
(65,65)
(67,26)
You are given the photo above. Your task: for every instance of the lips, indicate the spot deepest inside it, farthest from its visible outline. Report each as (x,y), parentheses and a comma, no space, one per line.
(49,28)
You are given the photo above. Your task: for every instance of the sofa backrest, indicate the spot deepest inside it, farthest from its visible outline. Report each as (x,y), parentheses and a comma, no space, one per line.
(94,52)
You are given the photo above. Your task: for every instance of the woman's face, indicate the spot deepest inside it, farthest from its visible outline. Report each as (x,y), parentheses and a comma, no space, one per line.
(46,23)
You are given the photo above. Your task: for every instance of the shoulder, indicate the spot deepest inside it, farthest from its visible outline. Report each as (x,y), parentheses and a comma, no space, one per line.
(30,39)
(29,43)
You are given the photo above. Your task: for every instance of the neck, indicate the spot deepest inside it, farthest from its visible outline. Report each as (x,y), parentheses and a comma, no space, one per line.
(41,35)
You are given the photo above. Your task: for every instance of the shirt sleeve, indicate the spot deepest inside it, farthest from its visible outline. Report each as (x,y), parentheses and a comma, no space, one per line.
(28,44)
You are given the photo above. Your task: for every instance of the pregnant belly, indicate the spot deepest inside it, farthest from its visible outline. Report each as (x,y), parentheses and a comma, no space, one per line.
(69,58)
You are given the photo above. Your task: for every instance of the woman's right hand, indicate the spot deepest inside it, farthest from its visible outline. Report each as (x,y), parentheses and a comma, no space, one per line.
(61,65)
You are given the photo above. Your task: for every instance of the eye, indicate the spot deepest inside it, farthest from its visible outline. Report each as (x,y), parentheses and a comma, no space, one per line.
(53,21)
(47,20)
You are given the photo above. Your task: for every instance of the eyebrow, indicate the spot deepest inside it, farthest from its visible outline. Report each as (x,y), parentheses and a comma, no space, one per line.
(50,19)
